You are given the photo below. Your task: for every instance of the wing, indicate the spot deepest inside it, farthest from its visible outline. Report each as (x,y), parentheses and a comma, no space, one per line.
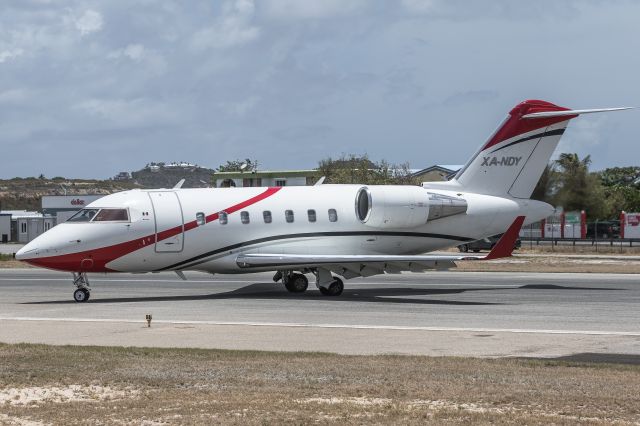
(351,266)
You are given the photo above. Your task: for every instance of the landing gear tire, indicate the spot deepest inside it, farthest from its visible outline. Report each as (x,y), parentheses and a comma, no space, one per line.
(296,283)
(464,248)
(81,295)
(335,288)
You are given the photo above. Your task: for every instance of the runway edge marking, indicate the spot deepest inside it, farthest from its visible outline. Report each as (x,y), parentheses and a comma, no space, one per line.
(337,326)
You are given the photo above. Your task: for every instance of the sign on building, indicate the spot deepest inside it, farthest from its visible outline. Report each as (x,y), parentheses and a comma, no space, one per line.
(629,225)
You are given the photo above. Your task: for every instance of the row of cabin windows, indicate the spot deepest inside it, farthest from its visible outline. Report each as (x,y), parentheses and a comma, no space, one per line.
(223,217)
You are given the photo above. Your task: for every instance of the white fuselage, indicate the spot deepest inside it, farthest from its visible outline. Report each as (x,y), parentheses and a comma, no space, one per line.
(181,229)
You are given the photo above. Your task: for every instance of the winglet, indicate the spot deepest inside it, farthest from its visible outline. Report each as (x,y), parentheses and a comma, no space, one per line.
(506,243)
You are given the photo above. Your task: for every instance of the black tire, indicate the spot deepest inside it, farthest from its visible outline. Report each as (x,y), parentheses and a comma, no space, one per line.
(476,250)
(335,289)
(81,295)
(463,248)
(296,283)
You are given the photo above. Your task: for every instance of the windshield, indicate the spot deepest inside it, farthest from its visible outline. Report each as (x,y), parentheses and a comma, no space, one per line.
(84,215)
(112,215)
(100,215)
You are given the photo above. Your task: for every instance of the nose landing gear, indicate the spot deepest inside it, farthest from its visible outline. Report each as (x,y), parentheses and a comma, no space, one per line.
(83,290)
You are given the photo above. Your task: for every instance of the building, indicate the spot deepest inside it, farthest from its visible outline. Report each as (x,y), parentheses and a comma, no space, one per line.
(31,224)
(24,225)
(62,207)
(5,227)
(437,172)
(122,176)
(266,178)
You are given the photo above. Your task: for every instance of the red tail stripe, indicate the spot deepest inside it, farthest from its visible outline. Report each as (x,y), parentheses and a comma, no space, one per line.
(516,125)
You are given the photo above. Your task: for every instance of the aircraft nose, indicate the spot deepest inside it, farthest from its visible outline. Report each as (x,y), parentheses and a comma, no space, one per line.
(27,252)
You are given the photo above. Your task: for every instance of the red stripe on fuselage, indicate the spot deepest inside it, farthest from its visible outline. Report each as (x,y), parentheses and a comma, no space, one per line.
(101,256)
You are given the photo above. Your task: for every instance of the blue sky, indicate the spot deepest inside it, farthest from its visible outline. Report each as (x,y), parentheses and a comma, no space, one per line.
(91,88)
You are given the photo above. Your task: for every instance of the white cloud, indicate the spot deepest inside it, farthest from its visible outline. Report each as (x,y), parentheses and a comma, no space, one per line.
(296,9)
(419,6)
(90,22)
(232,29)
(135,52)
(6,55)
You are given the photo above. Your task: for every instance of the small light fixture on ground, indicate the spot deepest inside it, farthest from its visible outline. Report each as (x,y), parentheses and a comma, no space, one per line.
(148,317)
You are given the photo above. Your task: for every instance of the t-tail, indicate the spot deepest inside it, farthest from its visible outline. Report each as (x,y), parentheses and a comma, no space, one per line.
(511,162)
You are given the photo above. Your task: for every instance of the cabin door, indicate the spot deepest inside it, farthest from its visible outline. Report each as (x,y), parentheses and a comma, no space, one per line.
(169,221)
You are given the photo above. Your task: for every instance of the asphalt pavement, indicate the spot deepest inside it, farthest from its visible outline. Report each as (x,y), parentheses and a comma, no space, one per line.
(437,313)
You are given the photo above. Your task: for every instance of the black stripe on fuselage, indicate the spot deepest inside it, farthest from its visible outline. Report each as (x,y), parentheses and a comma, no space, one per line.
(199,259)
(556,132)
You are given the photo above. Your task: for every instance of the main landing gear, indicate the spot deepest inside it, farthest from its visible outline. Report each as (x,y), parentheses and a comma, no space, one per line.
(83,290)
(296,282)
(334,289)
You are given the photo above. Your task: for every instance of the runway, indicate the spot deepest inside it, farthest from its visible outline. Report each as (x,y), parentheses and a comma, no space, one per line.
(439,313)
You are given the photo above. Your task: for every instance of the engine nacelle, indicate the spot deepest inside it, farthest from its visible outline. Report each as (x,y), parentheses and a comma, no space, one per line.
(404,206)
(392,206)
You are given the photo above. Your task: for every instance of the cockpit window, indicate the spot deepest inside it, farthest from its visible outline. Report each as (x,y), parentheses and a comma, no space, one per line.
(100,215)
(112,215)
(84,215)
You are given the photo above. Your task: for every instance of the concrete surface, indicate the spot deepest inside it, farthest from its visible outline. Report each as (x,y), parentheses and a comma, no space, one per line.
(440,313)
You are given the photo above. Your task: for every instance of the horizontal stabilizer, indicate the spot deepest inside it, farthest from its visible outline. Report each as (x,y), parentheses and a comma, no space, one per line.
(571,112)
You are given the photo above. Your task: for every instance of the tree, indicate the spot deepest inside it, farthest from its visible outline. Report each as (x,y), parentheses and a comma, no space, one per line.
(236,166)
(577,189)
(354,169)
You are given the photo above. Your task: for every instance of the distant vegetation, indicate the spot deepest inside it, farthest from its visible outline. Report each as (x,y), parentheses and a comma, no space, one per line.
(567,182)
(360,169)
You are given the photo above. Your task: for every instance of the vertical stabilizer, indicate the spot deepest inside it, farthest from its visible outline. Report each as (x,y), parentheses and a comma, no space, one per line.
(511,162)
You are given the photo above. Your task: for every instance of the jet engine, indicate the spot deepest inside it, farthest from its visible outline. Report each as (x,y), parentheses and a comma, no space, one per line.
(403,206)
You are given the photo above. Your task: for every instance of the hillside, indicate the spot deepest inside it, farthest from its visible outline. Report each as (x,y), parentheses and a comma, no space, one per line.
(26,193)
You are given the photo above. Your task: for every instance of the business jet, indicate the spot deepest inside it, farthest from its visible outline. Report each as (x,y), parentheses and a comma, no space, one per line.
(331,232)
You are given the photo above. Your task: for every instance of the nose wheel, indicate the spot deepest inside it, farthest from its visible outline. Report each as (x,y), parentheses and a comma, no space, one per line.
(83,291)
(81,295)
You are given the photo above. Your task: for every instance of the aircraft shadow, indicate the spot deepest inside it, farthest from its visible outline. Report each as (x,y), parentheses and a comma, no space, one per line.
(269,291)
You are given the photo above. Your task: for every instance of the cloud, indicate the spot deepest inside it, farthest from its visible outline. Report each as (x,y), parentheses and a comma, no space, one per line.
(469,97)
(6,55)
(233,28)
(419,6)
(90,22)
(296,9)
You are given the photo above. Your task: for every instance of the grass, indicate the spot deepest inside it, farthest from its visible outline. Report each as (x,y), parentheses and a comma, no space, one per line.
(190,386)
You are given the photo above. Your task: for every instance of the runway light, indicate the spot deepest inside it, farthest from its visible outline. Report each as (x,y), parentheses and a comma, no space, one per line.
(148,320)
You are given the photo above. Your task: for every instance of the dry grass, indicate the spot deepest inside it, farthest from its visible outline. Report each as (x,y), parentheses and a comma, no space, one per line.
(95,385)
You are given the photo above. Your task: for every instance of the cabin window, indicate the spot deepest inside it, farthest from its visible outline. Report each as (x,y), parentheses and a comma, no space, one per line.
(333,215)
(84,215)
(244,217)
(288,215)
(311,214)
(200,219)
(223,218)
(112,215)
(267,216)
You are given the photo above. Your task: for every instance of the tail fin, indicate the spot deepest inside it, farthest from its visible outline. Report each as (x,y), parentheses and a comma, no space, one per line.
(513,159)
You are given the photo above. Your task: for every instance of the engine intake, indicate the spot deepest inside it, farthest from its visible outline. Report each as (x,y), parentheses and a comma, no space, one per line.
(390,206)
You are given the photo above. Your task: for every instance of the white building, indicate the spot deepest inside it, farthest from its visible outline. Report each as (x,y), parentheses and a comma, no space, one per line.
(5,228)
(266,178)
